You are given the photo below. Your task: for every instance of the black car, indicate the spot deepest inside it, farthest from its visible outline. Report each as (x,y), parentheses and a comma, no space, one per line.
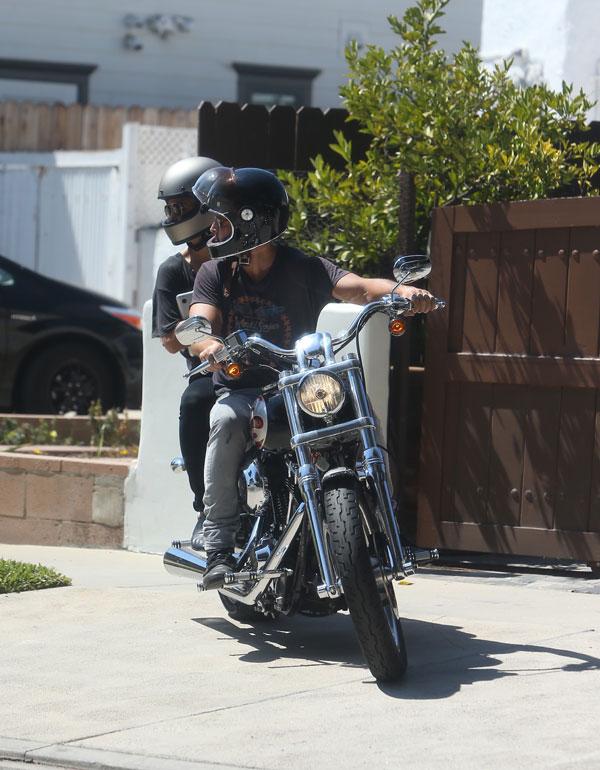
(62,347)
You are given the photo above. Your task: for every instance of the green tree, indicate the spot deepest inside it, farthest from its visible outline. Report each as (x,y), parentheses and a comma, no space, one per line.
(467,133)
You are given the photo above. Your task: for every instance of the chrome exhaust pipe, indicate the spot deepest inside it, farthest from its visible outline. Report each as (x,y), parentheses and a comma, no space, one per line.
(184,564)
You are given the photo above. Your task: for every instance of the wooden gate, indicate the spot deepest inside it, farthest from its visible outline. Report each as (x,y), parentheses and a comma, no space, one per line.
(510,452)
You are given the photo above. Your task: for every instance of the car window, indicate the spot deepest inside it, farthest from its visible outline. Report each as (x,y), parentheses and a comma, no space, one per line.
(6,279)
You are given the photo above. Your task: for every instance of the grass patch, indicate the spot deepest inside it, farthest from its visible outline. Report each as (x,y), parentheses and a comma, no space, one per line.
(17,576)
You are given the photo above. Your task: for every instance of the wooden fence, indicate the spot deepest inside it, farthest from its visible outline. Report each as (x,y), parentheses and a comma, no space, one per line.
(510,450)
(279,137)
(32,127)
(238,135)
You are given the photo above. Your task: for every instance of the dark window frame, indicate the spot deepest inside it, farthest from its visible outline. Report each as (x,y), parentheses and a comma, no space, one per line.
(296,80)
(49,72)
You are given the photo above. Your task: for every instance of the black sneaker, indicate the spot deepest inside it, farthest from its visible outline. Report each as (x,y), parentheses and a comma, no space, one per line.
(197,538)
(219,563)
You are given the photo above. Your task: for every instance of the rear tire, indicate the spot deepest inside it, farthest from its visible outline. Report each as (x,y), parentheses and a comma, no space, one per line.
(373,611)
(68,377)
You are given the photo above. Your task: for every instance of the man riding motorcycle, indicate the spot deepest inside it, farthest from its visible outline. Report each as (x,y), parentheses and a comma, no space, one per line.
(259,284)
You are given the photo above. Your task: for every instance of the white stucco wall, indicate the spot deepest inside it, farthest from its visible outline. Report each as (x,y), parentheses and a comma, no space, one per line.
(559,35)
(190,67)
(538,26)
(582,63)
(158,502)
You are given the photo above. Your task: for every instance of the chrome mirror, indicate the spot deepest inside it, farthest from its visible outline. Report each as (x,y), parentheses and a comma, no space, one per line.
(411,268)
(193,329)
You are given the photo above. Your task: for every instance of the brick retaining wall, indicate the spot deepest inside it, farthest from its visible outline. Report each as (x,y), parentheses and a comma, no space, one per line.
(57,501)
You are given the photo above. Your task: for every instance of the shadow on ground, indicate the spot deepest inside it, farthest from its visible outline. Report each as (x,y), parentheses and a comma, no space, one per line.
(442,658)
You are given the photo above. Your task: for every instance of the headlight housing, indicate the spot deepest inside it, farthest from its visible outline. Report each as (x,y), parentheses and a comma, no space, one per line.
(320,394)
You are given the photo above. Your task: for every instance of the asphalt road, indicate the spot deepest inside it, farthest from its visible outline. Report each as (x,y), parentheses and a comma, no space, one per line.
(131,668)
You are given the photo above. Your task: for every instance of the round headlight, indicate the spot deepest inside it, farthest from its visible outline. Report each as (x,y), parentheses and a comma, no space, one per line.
(320,394)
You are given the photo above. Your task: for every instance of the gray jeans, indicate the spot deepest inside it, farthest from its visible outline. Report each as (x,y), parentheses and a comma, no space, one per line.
(228,440)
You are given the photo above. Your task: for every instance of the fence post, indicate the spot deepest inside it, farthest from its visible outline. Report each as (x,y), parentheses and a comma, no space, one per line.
(400,359)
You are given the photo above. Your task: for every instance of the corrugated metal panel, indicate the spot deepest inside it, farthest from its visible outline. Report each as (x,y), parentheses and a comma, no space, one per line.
(79,223)
(18,213)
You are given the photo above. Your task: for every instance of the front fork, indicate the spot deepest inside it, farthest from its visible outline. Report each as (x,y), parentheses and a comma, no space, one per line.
(375,470)
(308,481)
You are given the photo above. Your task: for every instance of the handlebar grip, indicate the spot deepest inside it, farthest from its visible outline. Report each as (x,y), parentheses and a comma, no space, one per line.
(440,304)
(200,369)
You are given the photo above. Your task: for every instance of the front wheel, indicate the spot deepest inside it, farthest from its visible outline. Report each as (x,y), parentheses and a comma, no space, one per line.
(371,600)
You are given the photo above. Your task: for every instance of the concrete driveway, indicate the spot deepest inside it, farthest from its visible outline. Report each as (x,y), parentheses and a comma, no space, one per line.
(130,668)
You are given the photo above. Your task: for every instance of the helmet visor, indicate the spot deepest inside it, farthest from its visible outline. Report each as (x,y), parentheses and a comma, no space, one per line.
(177,211)
(222,230)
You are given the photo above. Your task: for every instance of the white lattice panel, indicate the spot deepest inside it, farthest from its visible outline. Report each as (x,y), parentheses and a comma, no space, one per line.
(156,148)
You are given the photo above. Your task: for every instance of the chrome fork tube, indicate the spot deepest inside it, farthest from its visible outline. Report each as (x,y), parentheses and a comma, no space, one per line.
(375,469)
(308,481)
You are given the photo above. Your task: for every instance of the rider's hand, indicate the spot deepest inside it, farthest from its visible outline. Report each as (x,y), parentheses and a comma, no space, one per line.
(208,353)
(422,300)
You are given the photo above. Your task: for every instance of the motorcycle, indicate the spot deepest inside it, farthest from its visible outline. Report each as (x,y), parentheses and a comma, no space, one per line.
(325,537)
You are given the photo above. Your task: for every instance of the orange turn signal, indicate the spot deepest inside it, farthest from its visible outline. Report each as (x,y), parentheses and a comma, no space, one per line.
(397,327)
(233,370)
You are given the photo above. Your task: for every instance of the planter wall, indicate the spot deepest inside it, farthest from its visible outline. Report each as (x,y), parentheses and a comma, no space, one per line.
(57,501)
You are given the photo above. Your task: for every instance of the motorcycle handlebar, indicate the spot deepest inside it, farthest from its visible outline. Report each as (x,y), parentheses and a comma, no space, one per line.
(399,304)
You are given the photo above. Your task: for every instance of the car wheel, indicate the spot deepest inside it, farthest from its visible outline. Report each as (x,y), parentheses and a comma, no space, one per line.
(66,378)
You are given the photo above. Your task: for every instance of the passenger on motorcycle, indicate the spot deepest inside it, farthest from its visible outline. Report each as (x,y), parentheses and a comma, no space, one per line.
(257,283)
(184,223)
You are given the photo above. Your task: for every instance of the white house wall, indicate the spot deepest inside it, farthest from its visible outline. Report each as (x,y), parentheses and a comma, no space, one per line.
(537,26)
(582,64)
(560,37)
(190,67)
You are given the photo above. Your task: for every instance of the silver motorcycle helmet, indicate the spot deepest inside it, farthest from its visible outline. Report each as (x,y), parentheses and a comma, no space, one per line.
(184,221)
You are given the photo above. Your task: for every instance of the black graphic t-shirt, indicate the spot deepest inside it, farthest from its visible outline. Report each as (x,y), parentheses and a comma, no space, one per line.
(281,307)
(175,276)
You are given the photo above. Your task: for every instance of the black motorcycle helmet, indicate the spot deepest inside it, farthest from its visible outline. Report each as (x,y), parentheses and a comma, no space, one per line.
(184,222)
(255,204)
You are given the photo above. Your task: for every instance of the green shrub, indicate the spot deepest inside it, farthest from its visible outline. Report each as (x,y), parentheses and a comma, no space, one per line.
(16,433)
(111,430)
(17,576)
(467,133)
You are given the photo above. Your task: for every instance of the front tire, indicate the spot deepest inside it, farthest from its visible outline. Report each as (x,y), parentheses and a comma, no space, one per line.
(373,610)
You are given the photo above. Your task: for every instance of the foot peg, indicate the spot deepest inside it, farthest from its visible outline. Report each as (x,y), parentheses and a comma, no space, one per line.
(425,555)
(229,578)
(234,578)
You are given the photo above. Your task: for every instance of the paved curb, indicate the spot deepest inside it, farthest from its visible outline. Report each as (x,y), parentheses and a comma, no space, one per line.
(81,758)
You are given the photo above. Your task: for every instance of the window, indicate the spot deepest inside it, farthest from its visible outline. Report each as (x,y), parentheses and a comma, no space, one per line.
(6,279)
(70,80)
(258,84)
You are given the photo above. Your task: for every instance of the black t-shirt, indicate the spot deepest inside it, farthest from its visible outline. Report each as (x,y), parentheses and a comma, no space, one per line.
(281,307)
(175,276)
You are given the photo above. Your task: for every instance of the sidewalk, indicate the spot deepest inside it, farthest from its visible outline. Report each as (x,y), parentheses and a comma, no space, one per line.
(130,668)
